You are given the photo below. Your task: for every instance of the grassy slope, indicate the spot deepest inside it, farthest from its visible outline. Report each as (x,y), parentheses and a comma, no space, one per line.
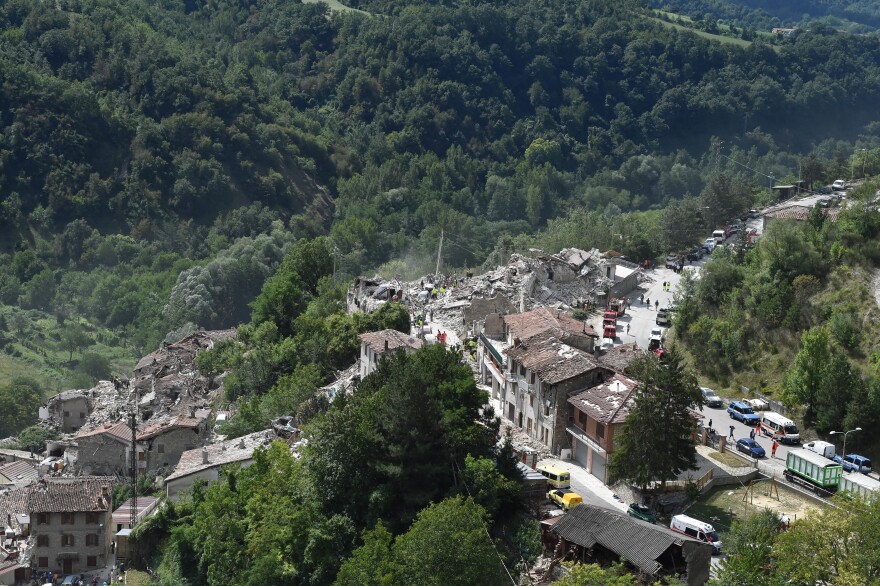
(336,6)
(50,366)
(705,35)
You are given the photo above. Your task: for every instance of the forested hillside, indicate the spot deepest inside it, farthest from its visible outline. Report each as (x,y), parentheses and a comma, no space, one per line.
(854,15)
(140,142)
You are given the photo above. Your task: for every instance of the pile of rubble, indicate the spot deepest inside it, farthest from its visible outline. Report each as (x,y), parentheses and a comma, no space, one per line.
(165,385)
(572,278)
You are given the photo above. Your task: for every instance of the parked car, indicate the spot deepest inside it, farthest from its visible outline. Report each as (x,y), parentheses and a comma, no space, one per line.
(656,339)
(565,498)
(838,185)
(854,463)
(709,244)
(663,318)
(672,261)
(642,512)
(749,446)
(742,412)
(711,398)
(696,253)
(753,213)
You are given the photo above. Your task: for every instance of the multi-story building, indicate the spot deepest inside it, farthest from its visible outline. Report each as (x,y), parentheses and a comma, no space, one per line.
(597,414)
(375,345)
(67,522)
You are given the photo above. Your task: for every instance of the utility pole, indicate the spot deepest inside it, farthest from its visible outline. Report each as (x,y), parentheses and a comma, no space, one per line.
(439,254)
(133,509)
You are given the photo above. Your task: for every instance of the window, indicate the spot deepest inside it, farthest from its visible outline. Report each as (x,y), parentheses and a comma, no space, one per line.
(546,408)
(142,456)
(92,561)
(529,425)
(67,518)
(42,541)
(600,430)
(532,401)
(92,539)
(582,417)
(67,413)
(93,518)
(82,415)
(43,562)
(161,448)
(67,540)
(532,377)
(43,519)
(522,370)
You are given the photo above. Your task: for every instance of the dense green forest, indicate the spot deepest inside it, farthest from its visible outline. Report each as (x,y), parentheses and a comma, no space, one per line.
(852,15)
(140,142)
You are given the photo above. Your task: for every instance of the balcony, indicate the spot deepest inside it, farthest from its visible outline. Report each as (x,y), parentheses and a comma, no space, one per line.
(581,435)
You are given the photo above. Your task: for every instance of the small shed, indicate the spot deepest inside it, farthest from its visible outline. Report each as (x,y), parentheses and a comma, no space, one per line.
(596,534)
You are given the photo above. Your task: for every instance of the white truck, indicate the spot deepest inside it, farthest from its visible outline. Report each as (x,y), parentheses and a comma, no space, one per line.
(825,449)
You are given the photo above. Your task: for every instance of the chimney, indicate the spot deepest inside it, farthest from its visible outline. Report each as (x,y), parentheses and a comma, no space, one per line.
(204,455)
(105,489)
(386,345)
(192,411)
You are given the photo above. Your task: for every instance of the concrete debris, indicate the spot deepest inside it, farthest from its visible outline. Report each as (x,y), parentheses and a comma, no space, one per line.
(572,278)
(166,385)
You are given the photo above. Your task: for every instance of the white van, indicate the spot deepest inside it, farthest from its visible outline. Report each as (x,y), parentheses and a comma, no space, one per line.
(719,236)
(822,448)
(782,428)
(556,477)
(697,530)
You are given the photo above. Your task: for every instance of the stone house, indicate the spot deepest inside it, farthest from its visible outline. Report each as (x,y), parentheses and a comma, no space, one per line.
(532,361)
(375,345)
(66,520)
(69,410)
(161,445)
(542,371)
(205,463)
(597,414)
(105,449)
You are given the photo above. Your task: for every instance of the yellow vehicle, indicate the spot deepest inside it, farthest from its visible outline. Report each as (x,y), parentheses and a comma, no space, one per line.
(567,499)
(556,477)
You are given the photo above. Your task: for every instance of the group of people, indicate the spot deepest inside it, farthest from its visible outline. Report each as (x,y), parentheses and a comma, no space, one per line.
(752,434)
(667,286)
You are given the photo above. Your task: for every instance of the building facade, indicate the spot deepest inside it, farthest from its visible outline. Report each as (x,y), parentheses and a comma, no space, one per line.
(375,345)
(596,416)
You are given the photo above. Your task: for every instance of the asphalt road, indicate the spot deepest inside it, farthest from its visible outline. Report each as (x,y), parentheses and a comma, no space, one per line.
(721,421)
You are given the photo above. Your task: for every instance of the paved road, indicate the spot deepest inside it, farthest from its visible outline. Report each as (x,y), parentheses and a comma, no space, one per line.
(721,421)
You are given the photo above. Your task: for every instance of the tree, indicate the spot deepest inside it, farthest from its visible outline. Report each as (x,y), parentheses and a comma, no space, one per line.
(371,563)
(682,223)
(656,442)
(75,338)
(34,438)
(749,544)
(805,378)
(723,199)
(489,487)
(594,575)
(400,441)
(448,545)
(21,405)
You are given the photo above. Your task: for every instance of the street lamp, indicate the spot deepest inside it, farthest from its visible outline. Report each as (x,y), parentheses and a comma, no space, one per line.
(864,162)
(845,433)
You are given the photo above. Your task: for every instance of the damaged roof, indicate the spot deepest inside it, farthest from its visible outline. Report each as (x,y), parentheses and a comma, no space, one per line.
(226,452)
(19,473)
(537,321)
(120,431)
(377,341)
(59,495)
(638,542)
(551,359)
(607,402)
(619,357)
(166,426)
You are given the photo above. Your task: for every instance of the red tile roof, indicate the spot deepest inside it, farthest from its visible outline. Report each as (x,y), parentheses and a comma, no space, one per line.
(120,431)
(376,341)
(19,472)
(59,495)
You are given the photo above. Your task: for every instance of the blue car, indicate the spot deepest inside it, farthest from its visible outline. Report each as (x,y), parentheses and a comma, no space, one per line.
(854,463)
(749,446)
(743,412)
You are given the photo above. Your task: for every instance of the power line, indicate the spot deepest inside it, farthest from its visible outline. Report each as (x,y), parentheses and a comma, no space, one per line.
(486,529)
